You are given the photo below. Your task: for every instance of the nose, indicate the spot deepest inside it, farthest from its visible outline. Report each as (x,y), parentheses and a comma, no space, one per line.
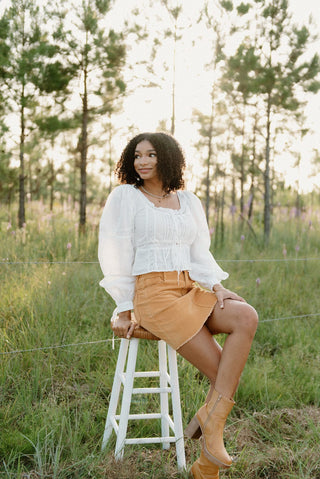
(143,160)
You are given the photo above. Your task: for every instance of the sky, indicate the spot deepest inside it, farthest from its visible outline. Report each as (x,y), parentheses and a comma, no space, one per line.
(146,107)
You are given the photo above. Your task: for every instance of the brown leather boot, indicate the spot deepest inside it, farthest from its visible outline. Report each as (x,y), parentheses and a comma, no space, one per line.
(204,469)
(212,418)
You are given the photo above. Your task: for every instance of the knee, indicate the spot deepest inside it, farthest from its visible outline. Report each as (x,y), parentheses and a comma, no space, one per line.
(249,320)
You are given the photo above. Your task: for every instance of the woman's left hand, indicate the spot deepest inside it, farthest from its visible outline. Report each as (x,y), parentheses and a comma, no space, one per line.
(223,293)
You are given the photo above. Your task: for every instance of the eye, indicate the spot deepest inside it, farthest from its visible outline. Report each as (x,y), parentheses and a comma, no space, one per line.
(153,155)
(136,156)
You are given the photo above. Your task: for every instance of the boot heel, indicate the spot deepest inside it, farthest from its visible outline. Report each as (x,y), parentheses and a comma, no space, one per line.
(193,430)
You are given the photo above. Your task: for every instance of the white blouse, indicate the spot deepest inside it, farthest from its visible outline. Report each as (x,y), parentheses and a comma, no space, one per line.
(137,237)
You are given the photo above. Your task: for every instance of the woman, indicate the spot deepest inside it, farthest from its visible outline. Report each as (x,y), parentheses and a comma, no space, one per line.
(153,248)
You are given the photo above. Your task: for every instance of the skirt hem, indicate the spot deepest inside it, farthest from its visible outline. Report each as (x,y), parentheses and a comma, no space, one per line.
(195,334)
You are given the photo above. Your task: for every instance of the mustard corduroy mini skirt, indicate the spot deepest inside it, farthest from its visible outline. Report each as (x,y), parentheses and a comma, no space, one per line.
(171,306)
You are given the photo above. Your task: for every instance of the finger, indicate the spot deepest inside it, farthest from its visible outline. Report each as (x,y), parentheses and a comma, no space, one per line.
(240,298)
(235,297)
(116,329)
(130,330)
(220,299)
(115,326)
(121,333)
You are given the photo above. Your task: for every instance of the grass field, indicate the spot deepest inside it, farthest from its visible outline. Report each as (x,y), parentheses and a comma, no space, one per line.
(53,402)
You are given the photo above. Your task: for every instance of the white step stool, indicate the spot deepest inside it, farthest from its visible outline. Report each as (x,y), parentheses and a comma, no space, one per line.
(169,383)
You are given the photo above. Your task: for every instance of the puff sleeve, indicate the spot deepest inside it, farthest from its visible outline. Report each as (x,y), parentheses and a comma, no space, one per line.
(116,247)
(204,268)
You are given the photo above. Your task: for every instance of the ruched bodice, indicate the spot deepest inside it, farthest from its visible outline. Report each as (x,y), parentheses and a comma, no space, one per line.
(136,237)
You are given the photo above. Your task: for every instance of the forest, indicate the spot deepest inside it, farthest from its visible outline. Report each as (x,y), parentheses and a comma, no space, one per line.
(67,69)
(234,81)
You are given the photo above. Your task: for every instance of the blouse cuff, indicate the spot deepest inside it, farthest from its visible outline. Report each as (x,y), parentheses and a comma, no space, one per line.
(125,306)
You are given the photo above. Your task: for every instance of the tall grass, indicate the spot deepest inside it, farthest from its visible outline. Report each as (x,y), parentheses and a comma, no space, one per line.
(53,402)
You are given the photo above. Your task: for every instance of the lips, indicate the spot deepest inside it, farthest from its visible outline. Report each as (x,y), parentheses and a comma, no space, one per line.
(144,170)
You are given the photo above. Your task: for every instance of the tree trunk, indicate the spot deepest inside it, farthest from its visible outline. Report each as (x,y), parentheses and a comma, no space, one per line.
(222,212)
(21,212)
(233,204)
(298,197)
(74,182)
(51,165)
(31,188)
(241,186)
(233,192)
(267,212)
(208,183)
(217,204)
(253,166)
(210,136)
(110,155)
(242,179)
(84,149)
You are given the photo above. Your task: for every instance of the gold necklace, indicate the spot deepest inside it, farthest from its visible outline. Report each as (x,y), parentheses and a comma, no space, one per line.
(155,196)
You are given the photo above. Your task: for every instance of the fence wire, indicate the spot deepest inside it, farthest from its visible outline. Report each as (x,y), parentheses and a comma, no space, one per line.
(64,346)
(108,340)
(245,260)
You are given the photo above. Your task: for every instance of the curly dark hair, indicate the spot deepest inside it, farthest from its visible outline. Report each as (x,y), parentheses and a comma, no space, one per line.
(170,161)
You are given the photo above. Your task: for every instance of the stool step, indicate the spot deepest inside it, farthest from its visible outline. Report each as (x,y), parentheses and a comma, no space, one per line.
(142,374)
(150,390)
(147,415)
(147,374)
(150,440)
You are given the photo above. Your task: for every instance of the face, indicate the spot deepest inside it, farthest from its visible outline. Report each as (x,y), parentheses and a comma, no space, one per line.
(145,160)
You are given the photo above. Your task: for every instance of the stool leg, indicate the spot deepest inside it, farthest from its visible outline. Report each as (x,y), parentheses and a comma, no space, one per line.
(114,398)
(126,397)
(164,399)
(176,408)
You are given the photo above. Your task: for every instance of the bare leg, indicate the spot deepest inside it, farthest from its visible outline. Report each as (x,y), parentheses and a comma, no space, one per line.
(239,320)
(204,353)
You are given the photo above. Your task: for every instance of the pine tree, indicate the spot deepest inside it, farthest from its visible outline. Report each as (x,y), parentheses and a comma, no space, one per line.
(212,125)
(7,174)
(174,13)
(30,71)
(240,84)
(97,53)
(271,69)
(283,73)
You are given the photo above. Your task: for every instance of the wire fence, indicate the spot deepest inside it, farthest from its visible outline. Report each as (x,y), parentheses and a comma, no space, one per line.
(111,340)
(59,346)
(108,340)
(245,260)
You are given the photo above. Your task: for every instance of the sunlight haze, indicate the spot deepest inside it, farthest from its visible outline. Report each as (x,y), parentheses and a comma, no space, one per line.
(144,108)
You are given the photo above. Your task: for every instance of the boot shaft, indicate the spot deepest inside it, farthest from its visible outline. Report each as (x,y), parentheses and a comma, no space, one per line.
(219,405)
(212,418)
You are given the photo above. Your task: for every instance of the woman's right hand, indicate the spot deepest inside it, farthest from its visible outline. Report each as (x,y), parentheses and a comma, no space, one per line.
(123,326)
